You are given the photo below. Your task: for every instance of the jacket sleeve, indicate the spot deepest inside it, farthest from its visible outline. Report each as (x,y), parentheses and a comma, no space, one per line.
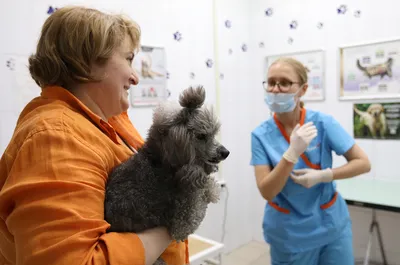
(53,205)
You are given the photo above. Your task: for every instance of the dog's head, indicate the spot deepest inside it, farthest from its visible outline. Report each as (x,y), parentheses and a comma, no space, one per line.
(145,64)
(375,110)
(186,134)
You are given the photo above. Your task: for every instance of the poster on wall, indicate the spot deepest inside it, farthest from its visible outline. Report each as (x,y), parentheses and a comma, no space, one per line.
(314,63)
(150,64)
(376,120)
(370,71)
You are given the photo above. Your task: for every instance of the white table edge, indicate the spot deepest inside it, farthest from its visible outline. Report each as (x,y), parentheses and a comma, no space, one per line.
(206,254)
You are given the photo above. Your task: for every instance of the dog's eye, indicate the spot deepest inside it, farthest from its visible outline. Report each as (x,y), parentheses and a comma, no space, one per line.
(202,136)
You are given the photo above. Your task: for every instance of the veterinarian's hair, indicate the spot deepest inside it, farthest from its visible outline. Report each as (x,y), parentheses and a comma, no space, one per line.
(298,67)
(75,38)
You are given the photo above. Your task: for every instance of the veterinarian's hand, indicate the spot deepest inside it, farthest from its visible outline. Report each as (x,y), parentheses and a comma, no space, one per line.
(308,177)
(299,140)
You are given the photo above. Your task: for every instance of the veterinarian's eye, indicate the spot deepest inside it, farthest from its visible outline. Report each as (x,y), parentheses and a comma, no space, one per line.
(202,136)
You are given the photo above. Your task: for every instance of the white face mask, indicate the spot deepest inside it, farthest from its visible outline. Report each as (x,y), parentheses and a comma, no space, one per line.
(281,102)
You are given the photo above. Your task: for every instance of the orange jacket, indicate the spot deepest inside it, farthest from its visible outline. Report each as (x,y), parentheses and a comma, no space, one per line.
(52,184)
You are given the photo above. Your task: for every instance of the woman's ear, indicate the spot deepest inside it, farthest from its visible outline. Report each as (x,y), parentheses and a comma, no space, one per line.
(304,90)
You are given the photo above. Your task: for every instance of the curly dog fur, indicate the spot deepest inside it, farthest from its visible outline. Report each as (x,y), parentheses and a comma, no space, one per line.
(168,182)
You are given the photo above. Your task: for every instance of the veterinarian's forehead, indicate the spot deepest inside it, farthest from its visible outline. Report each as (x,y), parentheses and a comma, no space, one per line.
(282,70)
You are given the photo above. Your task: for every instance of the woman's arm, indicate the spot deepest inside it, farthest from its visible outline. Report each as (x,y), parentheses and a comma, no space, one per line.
(271,182)
(154,241)
(358,163)
(53,205)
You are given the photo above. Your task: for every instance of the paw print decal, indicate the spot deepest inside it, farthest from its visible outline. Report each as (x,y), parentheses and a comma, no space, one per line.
(269,12)
(51,10)
(342,9)
(293,24)
(177,36)
(10,64)
(209,63)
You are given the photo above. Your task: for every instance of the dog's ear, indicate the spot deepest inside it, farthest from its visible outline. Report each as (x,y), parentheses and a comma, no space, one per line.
(370,109)
(178,149)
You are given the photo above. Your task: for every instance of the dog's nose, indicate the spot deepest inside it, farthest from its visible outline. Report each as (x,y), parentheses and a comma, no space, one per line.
(224,153)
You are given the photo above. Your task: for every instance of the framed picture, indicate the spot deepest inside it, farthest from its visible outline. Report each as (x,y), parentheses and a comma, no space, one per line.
(313,60)
(150,64)
(370,71)
(376,120)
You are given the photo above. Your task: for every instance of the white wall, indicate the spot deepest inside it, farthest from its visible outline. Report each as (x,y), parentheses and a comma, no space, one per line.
(234,101)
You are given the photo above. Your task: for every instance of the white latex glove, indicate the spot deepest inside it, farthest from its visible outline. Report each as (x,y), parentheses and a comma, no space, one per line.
(308,177)
(299,141)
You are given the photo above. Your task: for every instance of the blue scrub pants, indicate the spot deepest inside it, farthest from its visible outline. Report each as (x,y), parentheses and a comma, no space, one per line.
(339,252)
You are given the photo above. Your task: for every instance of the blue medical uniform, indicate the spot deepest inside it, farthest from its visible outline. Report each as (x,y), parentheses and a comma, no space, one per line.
(306,225)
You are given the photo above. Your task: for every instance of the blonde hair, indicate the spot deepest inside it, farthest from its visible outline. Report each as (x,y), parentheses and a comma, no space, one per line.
(75,38)
(298,67)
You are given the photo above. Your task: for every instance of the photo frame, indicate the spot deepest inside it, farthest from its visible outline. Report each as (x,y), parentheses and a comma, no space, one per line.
(150,64)
(376,120)
(314,61)
(370,70)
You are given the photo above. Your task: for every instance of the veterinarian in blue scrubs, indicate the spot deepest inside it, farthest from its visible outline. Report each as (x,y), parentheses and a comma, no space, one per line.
(306,221)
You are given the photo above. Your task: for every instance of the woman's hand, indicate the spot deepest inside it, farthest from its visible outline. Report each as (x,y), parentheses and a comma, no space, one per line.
(299,141)
(308,177)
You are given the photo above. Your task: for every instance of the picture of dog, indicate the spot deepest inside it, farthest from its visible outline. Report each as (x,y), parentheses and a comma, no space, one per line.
(146,71)
(378,69)
(168,182)
(374,119)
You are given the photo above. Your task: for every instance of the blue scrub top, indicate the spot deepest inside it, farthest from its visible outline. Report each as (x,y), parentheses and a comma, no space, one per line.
(295,221)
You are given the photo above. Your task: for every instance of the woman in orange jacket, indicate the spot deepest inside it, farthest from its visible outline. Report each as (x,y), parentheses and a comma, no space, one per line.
(54,171)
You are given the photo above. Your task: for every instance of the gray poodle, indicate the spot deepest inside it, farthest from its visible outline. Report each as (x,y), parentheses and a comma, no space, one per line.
(168,182)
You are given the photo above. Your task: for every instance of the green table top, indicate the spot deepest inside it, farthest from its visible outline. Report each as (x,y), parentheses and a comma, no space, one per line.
(380,192)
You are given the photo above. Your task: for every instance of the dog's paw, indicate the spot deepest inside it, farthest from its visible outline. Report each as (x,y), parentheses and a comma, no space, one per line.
(179,235)
(214,195)
(160,261)
(212,192)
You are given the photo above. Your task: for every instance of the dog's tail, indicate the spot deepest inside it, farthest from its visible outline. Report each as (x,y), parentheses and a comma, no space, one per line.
(360,113)
(192,98)
(362,68)
(389,61)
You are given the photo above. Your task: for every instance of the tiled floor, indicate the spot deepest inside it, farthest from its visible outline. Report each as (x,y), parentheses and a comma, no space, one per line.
(253,253)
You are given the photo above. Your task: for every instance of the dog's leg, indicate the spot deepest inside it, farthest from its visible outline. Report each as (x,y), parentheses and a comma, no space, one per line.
(212,191)
(160,261)
(191,205)
(382,131)
(190,210)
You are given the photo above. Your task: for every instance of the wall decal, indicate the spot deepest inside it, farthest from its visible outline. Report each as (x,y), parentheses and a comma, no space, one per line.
(269,12)
(177,36)
(342,9)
